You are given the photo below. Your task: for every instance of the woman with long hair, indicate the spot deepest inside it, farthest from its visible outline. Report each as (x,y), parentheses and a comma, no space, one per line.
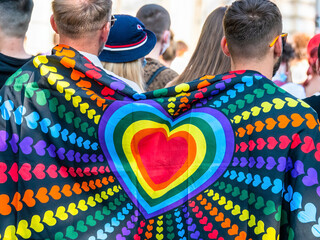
(208,58)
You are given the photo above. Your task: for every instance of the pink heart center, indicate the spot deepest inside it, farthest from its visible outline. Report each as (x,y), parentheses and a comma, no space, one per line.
(161,157)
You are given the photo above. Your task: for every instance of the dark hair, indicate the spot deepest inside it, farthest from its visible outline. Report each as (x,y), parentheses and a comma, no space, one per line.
(15,17)
(208,57)
(155,18)
(287,53)
(250,26)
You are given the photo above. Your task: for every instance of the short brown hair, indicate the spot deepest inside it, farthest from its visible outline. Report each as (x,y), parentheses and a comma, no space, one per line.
(155,18)
(250,26)
(77,17)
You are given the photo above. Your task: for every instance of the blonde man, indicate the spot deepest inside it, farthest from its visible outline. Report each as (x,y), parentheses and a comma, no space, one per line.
(51,109)
(83,25)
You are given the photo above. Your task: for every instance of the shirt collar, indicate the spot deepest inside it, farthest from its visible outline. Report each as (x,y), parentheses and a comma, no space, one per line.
(93,58)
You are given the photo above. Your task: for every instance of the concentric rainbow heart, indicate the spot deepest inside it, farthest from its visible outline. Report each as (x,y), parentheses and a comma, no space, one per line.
(162,162)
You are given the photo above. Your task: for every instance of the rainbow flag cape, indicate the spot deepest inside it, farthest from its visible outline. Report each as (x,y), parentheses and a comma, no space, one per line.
(83,156)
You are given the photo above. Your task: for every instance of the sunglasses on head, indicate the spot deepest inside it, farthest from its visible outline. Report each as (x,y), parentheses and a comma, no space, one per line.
(283,37)
(113,20)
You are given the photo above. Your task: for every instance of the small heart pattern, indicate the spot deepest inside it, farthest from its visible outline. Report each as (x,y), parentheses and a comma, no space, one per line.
(83,156)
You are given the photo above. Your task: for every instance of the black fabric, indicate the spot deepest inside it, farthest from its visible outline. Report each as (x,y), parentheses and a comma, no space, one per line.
(74,142)
(314,102)
(8,66)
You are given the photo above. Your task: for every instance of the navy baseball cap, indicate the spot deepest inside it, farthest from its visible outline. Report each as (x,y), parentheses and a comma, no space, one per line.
(128,41)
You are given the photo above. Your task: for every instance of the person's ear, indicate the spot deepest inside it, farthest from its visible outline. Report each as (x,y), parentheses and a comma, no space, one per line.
(317,66)
(53,24)
(105,32)
(224,46)
(166,37)
(278,47)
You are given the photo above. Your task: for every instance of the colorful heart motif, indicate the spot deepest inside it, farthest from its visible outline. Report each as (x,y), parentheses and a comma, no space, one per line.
(154,156)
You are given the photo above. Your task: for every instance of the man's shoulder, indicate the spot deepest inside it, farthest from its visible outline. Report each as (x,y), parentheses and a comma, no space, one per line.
(152,66)
(157,75)
(14,60)
(266,94)
(312,100)
(152,63)
(170,72)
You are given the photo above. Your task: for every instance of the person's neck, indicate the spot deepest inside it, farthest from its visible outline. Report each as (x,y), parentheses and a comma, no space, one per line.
(155,53)
(84,44)
(313,85)
(263,66)
(13,47)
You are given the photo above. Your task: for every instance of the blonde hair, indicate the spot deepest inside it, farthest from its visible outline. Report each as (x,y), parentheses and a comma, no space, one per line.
(208,57)
(78,17)
(130,70)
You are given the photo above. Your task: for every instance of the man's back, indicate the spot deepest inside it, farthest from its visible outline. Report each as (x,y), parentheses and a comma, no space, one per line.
(226,156)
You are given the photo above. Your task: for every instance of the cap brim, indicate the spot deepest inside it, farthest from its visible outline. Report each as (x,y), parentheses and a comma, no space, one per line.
(129,55)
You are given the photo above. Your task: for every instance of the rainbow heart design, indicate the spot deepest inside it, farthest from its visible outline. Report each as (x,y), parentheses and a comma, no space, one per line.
(162,162)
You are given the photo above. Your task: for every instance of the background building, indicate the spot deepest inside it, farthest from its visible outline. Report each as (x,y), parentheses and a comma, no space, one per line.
(187,18)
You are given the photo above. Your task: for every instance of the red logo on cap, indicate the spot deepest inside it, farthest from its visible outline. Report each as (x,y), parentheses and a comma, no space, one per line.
(139,27)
